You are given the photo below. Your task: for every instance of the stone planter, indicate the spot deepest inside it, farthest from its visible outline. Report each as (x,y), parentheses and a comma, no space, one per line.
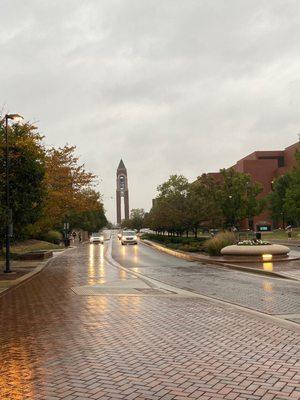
(36,255)
(273,249)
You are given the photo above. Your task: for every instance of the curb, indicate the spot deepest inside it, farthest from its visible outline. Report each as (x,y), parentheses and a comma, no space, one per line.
(189,257)
(16,282)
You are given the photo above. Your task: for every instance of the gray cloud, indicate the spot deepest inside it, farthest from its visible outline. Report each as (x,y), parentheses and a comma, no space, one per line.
(170,86)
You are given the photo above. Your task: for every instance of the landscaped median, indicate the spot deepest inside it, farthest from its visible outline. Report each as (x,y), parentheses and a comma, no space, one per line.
(246,264)
(187,244)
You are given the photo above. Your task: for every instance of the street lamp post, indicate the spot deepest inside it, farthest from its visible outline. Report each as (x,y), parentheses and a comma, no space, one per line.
(8,220)
(66,229)
(232,216)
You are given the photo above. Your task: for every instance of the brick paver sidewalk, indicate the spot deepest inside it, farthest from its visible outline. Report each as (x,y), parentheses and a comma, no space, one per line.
(58,345)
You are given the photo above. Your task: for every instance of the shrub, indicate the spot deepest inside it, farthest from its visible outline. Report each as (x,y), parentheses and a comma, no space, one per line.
(215,245)
(165,239)
(52,237)
(173,246)
(190,247)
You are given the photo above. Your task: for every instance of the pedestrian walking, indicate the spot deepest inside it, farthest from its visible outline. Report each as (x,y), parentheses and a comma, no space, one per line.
(74,234)
(289,231)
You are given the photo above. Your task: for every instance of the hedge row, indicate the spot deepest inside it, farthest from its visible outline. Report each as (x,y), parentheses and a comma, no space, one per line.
(178,243)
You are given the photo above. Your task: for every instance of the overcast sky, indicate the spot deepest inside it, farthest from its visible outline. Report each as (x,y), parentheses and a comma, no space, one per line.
(171,86)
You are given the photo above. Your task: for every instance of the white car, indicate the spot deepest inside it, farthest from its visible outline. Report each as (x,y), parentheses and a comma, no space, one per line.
(97,238)
(129,237)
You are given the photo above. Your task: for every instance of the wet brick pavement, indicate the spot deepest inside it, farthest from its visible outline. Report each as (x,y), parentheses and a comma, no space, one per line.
(58,345)
(261,293)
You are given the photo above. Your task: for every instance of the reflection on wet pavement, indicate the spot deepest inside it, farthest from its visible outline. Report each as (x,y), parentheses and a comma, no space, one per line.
(55,344)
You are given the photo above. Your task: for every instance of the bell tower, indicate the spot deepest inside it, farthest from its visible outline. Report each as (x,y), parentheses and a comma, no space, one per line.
(122,192)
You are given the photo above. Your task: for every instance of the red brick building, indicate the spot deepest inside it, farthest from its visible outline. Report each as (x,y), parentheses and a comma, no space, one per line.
(264,167)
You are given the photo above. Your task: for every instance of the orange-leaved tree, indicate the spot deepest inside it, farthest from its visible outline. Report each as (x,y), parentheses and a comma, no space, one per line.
(68,187)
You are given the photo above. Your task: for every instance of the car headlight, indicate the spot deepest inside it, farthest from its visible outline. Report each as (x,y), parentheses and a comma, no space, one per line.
(123,237)
(135,237)
(101,238)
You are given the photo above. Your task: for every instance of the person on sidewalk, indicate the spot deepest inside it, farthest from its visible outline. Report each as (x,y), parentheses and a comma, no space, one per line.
(289,231)
(74,234)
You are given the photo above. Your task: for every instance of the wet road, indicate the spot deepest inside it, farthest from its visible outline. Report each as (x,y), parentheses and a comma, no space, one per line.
(272,296)
(57,344)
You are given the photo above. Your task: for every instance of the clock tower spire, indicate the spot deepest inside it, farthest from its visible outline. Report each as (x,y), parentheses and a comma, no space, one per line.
(122,192)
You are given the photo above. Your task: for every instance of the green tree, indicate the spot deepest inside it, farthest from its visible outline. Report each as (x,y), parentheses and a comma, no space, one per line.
(27,170)
(203,206)
(137,216)
(291,206)
(170,209)
(92,218)
(126,224)
(237,197)
(277,198)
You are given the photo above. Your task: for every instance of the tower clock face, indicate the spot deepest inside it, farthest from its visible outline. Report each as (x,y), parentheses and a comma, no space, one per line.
(122,182)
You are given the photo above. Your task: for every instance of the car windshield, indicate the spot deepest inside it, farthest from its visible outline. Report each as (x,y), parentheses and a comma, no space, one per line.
(95,234)
(129,233)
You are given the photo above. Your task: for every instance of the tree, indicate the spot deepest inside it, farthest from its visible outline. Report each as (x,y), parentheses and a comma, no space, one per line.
(237,197)
(170,210)
(181,206)
(137,216)
(68,186)
(277,197)
(126,224)
(203,206)
(92,219)
(27,170)
(284,200)
(291,206)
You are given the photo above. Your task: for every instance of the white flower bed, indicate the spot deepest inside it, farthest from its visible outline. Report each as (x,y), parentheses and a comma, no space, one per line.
(253,242)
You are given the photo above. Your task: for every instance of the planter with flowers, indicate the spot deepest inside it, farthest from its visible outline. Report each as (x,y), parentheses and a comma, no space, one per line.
(255,247)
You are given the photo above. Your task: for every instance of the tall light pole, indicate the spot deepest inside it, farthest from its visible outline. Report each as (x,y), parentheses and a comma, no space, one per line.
(8,219)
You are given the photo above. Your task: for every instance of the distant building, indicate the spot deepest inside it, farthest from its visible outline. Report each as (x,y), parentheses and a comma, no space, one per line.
(122,192)
(264,167)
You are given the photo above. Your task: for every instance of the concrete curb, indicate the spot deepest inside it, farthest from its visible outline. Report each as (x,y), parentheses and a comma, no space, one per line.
(6,286)
(190,257)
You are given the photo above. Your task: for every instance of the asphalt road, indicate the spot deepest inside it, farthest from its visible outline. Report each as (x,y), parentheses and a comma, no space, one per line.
(272,296)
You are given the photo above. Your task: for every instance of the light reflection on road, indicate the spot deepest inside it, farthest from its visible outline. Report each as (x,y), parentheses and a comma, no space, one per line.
(268,266)
(20,370)
(132,304)
(96,266)
(136,254)
(268,291)
(267,286)
(126,250)
(123,274)
(97,304)
(92,256)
